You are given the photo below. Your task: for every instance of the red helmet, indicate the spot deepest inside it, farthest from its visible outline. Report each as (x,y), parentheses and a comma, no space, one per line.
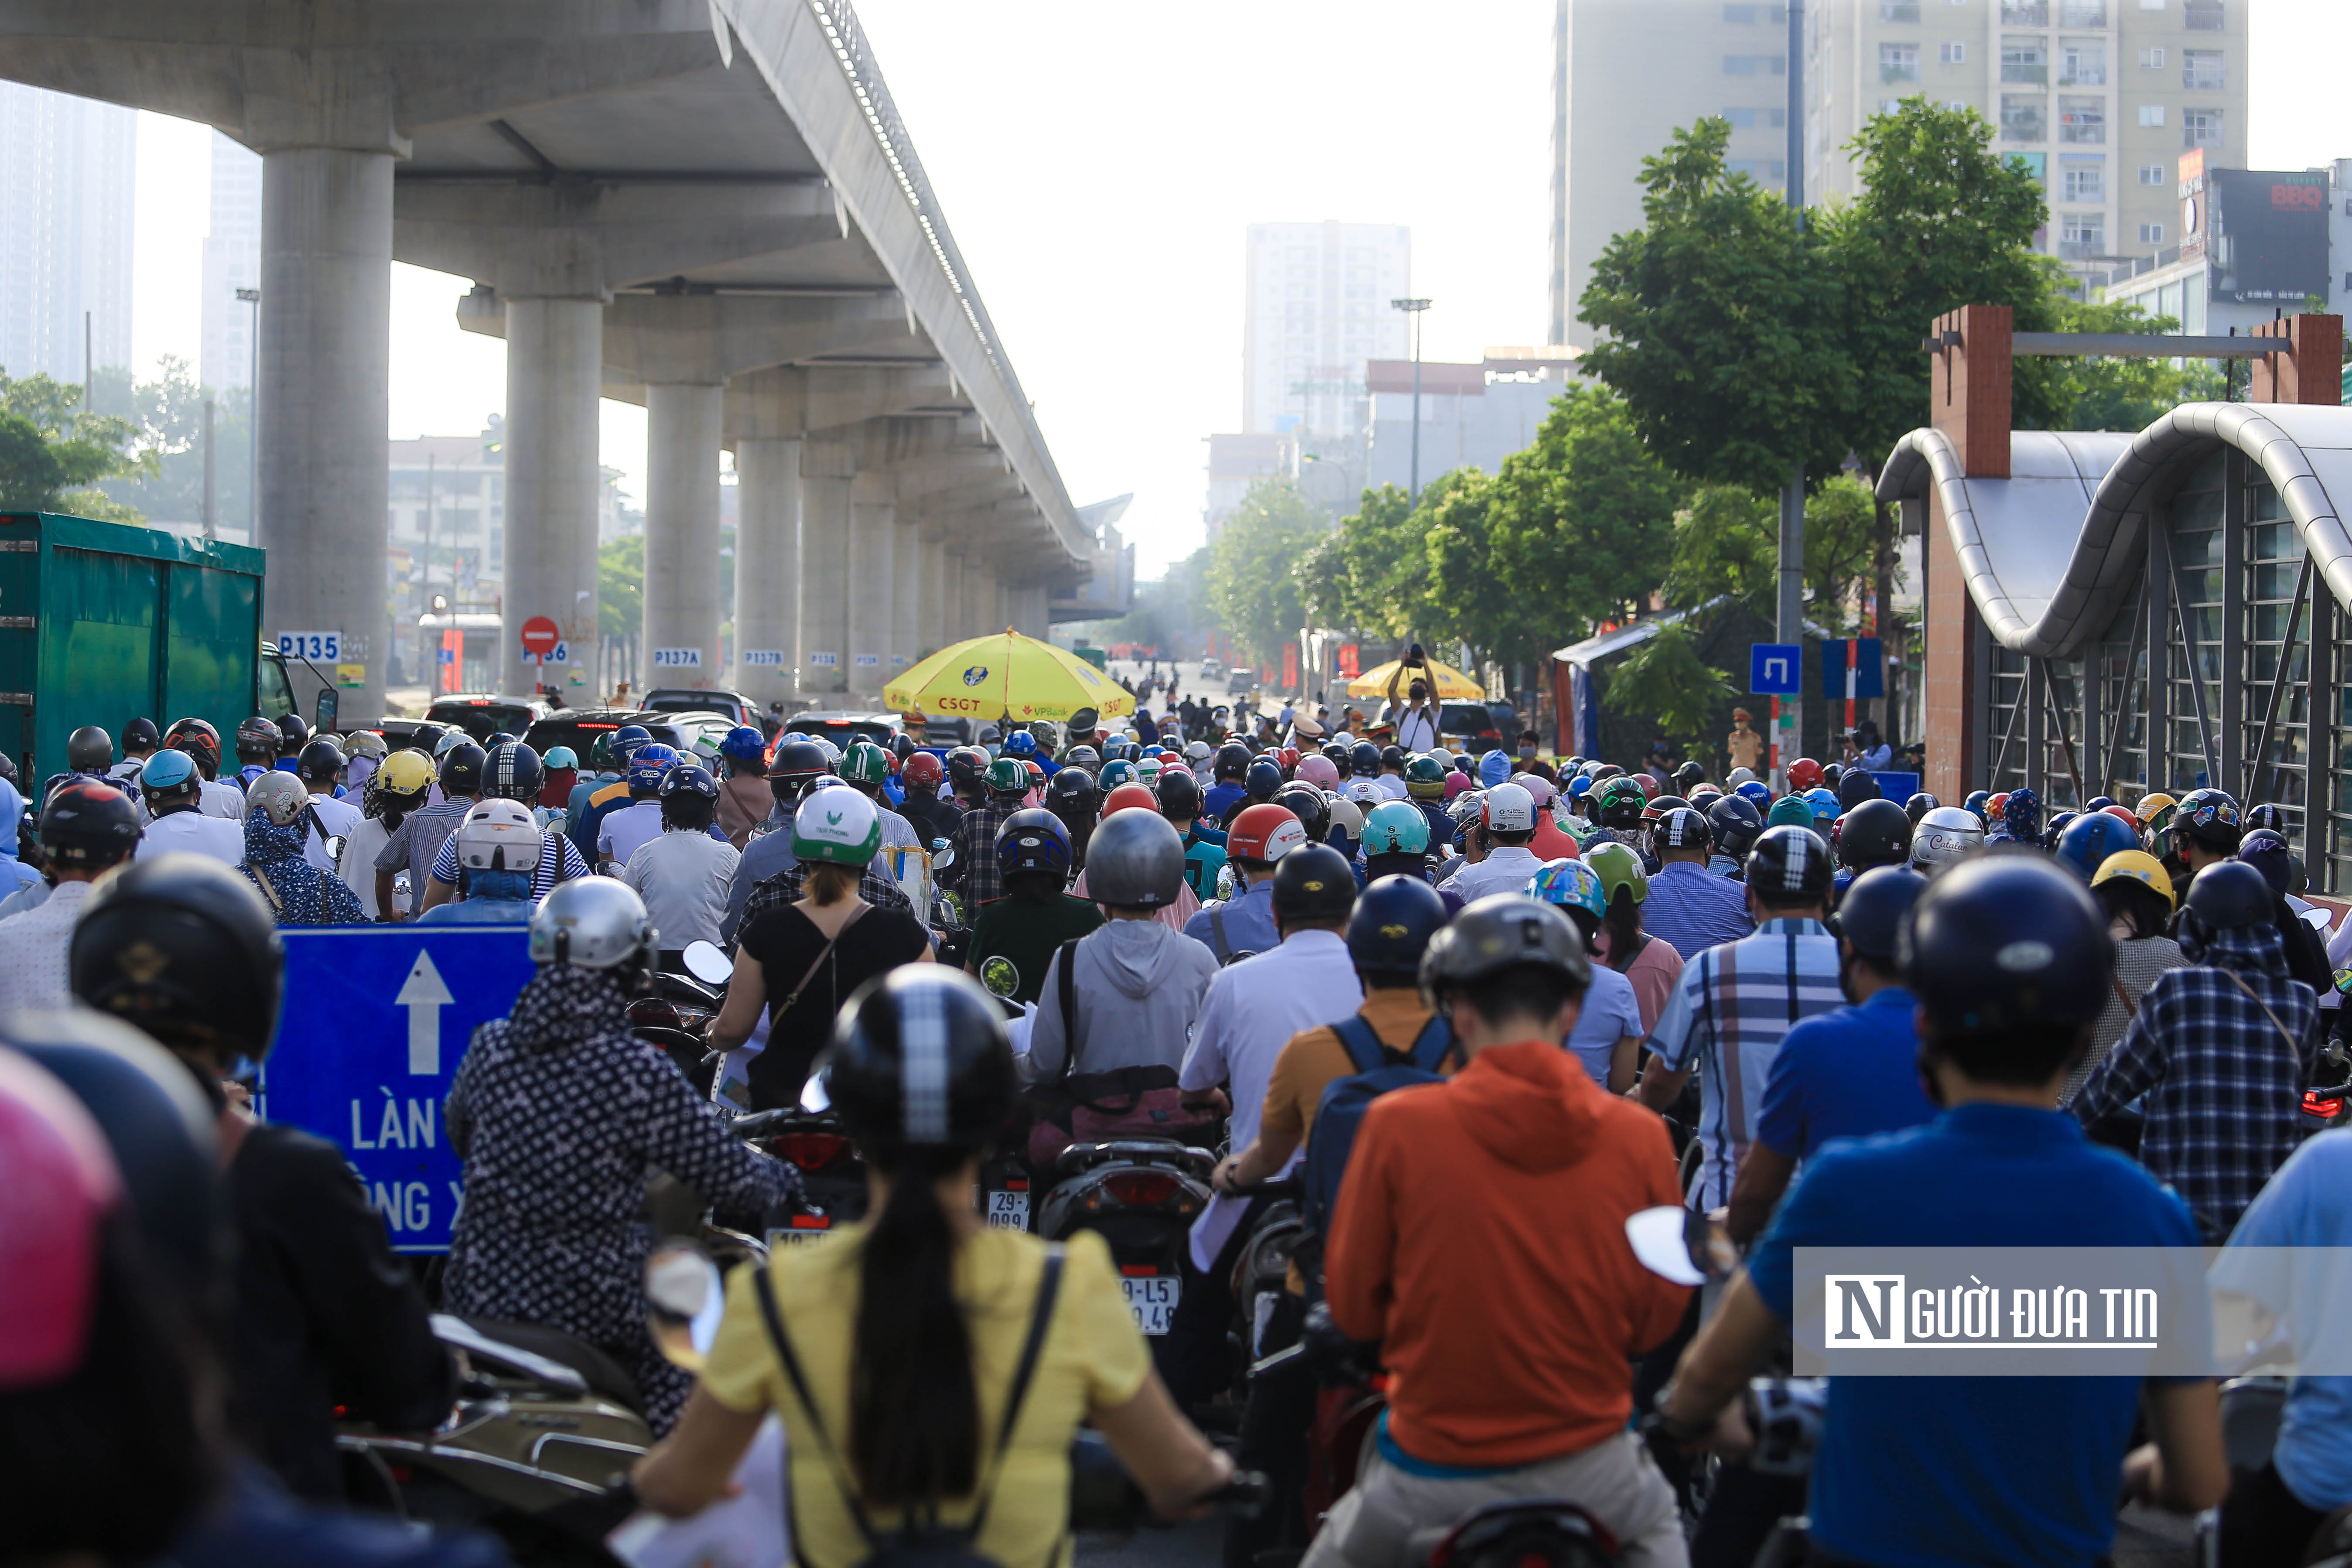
(1804,773)
(1036,773)
(2126,813)
(1289,758)
(1127,795)
(1649,786)
(1264,832)
(923,768)
(1993,807)
(1168,756)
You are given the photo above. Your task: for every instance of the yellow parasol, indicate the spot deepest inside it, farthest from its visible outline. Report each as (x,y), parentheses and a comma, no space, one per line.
(1007,675)
(1448,684)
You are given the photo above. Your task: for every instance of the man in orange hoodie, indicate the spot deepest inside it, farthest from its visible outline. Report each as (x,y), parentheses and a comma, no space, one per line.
(1480,1236)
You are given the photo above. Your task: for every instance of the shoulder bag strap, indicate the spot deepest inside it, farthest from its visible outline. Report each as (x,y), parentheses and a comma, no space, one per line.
(815,963)
(1217,930)
(1435,1044)
(1041,1315)
(1362,1042)
(765,1290)
(268,891)
(2131,1008)
(2292,1043)
(1066,989)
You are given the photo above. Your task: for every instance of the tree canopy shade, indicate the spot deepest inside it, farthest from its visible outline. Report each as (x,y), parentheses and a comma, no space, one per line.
(1250,582)
(51,451)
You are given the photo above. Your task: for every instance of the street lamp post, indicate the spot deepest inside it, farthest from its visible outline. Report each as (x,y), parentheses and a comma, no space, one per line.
(253,423)
(1413,310)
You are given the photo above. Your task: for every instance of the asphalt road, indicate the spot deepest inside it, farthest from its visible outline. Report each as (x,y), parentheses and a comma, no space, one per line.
(1198,1544)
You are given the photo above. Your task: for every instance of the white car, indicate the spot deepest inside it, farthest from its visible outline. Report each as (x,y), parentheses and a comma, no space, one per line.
(1212,670)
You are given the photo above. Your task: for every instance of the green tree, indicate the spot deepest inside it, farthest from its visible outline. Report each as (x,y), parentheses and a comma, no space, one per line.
(2127,395)
(51,451)
(1466,602)
(169,413)
(1723,320)
(1726,543)
(1841,549)
(1251,587)
(621,586)
(1386,584)
(1666,677)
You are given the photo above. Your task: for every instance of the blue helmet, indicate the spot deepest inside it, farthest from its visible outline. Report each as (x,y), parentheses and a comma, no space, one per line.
(1033,841)
(1572,885)
(686,778)
(1114,773)
(744,743)
(2088,840)
(561,757)
(1389,928)
(1021,743)
(647,762)
(1978,802)
(627,739)
(1396,827)
(2022,812)
(1756,793)
(1494,768)
(1824,804)
(1580,785)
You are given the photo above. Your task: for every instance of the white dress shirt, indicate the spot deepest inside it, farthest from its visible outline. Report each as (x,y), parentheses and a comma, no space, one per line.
(33,950)
(1507,869)
(338,817)
(683,877)
(192,832)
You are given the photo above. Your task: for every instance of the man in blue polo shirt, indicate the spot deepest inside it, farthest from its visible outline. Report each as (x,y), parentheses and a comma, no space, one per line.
(1847,1073)
(1688,907)
(2009,957)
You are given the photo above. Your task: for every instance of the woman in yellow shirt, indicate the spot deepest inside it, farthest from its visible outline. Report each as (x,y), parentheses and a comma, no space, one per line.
(930,1372)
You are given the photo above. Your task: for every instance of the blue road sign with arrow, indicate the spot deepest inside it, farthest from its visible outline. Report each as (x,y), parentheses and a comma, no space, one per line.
(1775,669)
(375,1023)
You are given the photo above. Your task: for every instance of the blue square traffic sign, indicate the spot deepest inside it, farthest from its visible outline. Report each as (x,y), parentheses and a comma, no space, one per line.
(1775,669)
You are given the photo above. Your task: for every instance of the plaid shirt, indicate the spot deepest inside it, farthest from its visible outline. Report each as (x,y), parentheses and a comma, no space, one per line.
(980,879)
(1733,1004)
(784,888)
(2223,1086)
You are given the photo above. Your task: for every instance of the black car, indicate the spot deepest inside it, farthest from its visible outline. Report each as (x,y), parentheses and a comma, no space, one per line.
(687,699)
(582,727)
(482,717)
(1490,724)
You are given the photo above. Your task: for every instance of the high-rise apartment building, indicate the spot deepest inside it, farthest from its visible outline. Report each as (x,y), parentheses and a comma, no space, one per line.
(232,261)
(1318,307)
(68,168)
(2098,97)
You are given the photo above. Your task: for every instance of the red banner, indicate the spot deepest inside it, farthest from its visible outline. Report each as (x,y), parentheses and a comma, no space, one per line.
(453,659)
(1349,655)
(1290,666)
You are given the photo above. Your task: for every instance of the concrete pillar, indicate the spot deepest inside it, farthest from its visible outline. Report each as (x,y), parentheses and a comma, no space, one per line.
(827,468)
(906,630)
(932,630)
(979,599)
(767,568)
(554,365)
(953,611)
(872,562)
(322,407)
(681,632)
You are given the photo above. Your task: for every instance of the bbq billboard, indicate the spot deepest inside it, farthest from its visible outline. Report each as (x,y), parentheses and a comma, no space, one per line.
(2265,235)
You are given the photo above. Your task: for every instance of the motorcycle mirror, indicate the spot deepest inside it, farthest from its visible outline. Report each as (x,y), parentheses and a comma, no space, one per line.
(708,963)
(1659,1238)
(335,848)
(685,1298)
(942,856)
(938,845)
(814,1098)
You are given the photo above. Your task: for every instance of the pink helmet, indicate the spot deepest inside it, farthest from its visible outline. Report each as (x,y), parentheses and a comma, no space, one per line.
(1317,770)
(1457,781)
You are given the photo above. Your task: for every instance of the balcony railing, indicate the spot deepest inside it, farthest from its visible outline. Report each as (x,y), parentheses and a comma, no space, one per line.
(2204,15)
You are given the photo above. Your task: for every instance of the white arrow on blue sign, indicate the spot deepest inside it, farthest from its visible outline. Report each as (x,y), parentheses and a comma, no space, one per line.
(1775,669)
(375,1023)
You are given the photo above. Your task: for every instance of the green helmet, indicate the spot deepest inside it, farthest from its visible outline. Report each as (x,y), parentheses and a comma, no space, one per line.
(1618,867)
(1620,803)
(1790,811)
(1008,776)
(1396,827)
(600,753)
(1425,778)
(837,826)
(865,762)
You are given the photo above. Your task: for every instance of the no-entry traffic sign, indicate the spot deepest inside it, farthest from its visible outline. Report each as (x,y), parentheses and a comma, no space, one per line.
(539,635)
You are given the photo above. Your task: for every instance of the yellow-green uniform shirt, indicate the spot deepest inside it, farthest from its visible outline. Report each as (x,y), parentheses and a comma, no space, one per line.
(1094,1358)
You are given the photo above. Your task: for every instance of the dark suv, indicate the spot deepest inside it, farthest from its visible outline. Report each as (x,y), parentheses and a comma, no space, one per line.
(582,727)
(1492,725)
(482,717)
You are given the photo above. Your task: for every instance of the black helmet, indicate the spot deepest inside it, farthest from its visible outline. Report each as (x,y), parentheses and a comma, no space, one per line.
(1854,786)
(1393,919)
(1688,776)
(1620,803)
(919,1059)
(87,824)
(1873,832)
(90,749)
(795,766)
(320,763)
(200,741)
(1919,805)
(1180,795)
(2007,942)
(1735,823)
(461,769)
(257,742)
(2268,814)
(1232,762)
(1870,912)
(967,766)
(142,733)
(1501,932)
(512,771)
(2266,851)
(158,1124)
(1392,756)
(292,733)
(1789,865)
(2229,896)
(2210,817)
(1072,790)
(1336,753)
(902,745)
(1682,827)
(183,947)
(1313,882)
(1135,860)
(1305,802)
(1364,758)
(1033,841)
(1264,778)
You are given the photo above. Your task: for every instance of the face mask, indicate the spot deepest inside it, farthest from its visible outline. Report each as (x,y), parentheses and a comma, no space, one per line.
(1529,753)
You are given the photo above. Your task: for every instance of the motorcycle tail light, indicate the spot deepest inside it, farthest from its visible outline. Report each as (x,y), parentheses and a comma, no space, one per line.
(2315,1106)
(656,1011)
(1141,1189)
(810,1151)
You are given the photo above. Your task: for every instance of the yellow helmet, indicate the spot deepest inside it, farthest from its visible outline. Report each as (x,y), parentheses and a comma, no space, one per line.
(404,773)
(2151,803)
(2137,865)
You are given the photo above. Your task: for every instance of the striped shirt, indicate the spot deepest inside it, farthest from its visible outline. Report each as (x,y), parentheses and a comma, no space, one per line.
(1726,1017)
(555,854)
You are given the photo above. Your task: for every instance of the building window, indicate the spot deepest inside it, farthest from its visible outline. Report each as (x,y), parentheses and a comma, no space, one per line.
(1898,62)
(1748,16)
(2081,236)
(1760,169)
(1757,118)
(2082,120)
(2151,234)
(1958,105)
(2083,62)
(2024,117)
(1898,10)
(2082,179)
(2204,15)
(1952,54)
(2083,12)
(2025,61)
(2152,173)
(2200,128)
(2200,69)
(2025,13)
(2152,59)
(1754,65)
(2151,114)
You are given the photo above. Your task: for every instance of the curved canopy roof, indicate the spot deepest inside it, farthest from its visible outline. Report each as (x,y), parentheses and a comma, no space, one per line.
(2050,556)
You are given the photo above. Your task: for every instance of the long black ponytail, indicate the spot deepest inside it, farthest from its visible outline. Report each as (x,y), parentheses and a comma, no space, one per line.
(914,1425)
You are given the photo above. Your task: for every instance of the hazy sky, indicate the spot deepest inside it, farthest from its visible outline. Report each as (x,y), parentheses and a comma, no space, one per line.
(1098,163)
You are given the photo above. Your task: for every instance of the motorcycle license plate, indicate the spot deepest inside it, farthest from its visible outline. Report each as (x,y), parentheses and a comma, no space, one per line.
(1009,1211)
(1153,1302)
(805,1229)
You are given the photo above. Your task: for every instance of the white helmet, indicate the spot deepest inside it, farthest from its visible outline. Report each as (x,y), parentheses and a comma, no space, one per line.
(1346,816)
(1364,792)
(1739,776)
(500,836)
(364,744)
(451,739)
(1509,808)
(595,922)
(277,796)
(1945,837)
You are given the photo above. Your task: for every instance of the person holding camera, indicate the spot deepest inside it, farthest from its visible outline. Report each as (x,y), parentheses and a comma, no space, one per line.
(1416,716)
